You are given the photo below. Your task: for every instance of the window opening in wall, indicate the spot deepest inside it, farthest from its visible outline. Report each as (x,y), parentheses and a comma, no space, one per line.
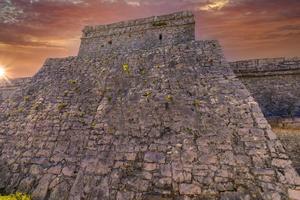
(160,36)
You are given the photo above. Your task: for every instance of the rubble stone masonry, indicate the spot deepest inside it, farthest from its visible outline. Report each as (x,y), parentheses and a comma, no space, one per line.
(166,121)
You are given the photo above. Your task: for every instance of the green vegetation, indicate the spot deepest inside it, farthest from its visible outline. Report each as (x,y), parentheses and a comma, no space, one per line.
(81,114)
(142,71)
(169,98)
(109,99)
(147,94)
(159,23)
(111,130)
(20,110)
(196,103)
(61,106)
(93,125)
(26,98)
(126,68)
(74,86)
(189,130)
(35,106)
(82,121)
(72,82)
(17,196)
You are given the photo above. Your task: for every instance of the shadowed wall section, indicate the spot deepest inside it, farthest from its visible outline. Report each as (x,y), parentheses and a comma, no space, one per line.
(275,85)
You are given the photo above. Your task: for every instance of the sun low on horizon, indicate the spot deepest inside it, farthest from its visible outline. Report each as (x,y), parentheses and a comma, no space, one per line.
(3,74)
(34,30)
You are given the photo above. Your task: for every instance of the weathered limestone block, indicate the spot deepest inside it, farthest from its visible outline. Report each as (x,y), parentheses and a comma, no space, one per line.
(76,191)
(26,184)
(189,189)
(60,191)
(294,194)
(4,175)
(41,190)
(154,157)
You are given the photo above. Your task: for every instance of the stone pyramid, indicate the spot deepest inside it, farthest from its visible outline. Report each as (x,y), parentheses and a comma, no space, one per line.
(143,112)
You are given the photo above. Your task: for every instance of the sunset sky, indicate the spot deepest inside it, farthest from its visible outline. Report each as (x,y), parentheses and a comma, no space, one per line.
(32,30)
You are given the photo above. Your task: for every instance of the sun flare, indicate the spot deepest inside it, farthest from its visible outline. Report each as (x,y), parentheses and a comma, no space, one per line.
(2,72)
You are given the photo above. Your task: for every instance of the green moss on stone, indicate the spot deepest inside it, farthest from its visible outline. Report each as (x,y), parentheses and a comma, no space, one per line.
(169,98)
(109,98)
(142,71)
(61,106)
(20,110)
(147,94)
(126,68)
(93,125)
(26,98)
(72,82)
(196,103)
(35,106)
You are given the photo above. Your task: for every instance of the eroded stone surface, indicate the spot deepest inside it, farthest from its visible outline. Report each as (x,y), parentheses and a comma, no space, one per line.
(174,123)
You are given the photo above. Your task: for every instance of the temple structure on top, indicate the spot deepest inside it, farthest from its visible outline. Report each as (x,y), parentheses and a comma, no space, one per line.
(140,34)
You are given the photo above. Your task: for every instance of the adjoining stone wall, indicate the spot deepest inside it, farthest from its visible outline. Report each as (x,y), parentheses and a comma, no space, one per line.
(138,34)
(290,139)
(288,130)
(7,87)
(274,83)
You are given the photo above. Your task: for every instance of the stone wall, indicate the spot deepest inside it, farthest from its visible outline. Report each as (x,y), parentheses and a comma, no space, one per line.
(7,87)
(176,124)
(138,34)
(170,122)
(274,83)
(288,130)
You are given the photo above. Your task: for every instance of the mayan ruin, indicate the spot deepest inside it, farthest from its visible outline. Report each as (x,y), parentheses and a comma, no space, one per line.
(147,112)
